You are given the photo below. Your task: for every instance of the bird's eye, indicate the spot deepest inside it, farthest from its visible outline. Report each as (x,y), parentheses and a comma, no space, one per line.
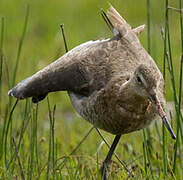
(139,80)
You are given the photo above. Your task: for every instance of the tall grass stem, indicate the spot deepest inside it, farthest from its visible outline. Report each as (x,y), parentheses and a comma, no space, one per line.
(1,57)
(20,45)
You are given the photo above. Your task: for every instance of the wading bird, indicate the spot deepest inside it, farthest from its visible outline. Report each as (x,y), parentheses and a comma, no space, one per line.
(113,83)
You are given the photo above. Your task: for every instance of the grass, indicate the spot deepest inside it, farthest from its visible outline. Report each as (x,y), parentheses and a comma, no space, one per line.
(48,140)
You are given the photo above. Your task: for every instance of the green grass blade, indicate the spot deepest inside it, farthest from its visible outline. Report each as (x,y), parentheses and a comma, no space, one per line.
(180,93)
(6,134)
(148,7)
(1,57)
(164,146)
(33,137)
(76,148)
(147,156)
(19,161)
(176,100)
(1,68)
(148,26)
(50,142)
(20,45)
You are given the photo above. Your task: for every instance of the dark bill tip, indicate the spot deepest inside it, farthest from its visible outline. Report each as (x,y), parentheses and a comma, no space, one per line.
(162,114)
(166,123)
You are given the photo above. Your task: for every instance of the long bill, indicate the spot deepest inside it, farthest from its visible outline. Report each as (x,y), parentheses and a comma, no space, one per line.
(163,116)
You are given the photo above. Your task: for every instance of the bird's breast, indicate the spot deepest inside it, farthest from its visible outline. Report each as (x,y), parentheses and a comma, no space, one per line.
(104,110)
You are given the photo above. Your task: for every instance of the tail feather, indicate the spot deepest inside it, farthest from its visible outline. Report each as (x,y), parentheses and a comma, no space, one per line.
(123,27)
(117,20)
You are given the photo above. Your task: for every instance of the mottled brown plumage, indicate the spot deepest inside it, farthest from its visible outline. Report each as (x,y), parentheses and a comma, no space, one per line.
(114,83)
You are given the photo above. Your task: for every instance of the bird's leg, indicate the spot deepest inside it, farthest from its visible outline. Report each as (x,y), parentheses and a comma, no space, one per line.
(107,160)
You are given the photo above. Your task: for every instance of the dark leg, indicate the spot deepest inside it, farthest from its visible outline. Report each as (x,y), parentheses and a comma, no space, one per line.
(108,157)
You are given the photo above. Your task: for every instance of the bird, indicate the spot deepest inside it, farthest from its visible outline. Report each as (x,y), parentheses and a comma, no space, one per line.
(112,83)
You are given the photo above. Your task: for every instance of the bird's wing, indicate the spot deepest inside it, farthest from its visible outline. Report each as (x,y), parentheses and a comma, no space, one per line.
(50,79)
(47,80)
(71,72)
(68,73)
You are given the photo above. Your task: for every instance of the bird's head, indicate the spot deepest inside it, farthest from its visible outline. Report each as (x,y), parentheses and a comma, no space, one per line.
(148,84)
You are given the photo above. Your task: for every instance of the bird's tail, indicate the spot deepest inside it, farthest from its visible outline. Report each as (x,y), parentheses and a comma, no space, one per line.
(121,26)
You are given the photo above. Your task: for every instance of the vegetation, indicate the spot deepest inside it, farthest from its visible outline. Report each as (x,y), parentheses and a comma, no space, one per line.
(49,140)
